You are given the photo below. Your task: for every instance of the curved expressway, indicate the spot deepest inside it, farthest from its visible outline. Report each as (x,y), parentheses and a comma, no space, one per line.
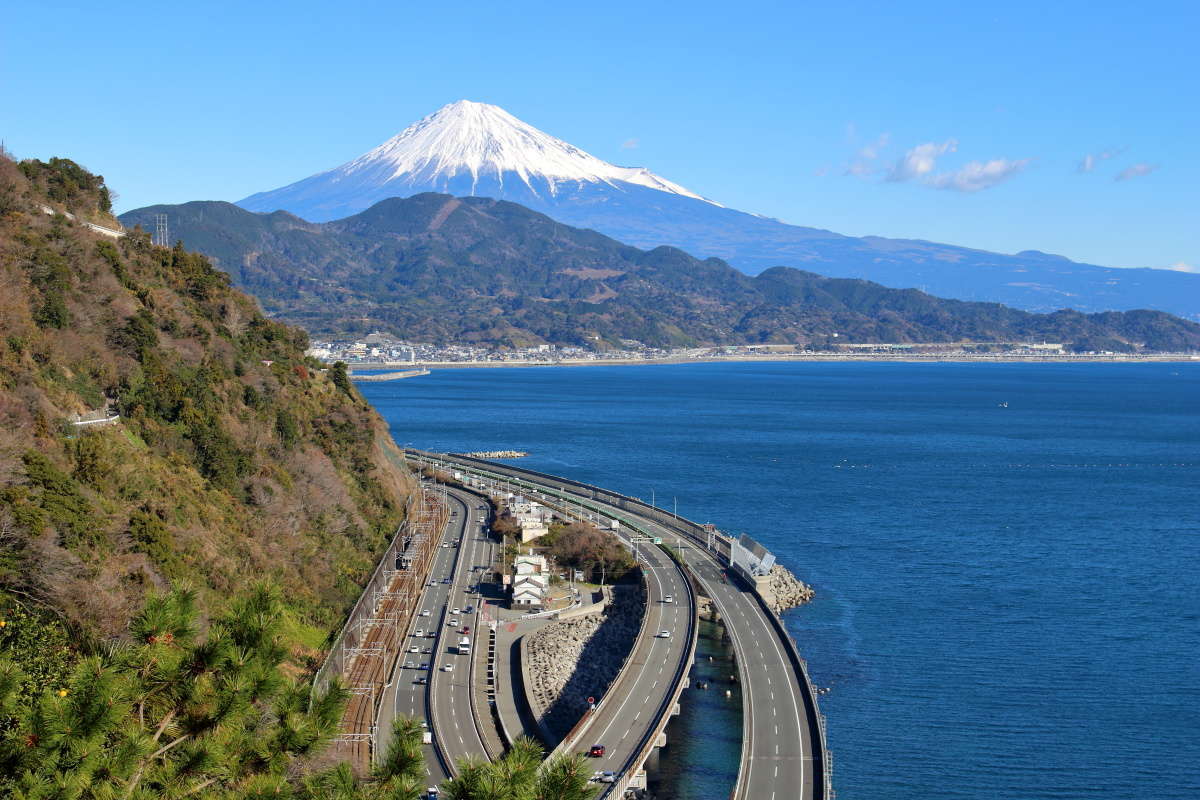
(783,744)
(422,687)
(630,715)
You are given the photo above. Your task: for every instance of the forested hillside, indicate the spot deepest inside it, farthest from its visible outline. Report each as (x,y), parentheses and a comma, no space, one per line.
(442,269)
(235,459)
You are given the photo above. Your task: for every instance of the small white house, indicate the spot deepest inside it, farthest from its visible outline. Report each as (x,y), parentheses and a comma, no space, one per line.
(531,579)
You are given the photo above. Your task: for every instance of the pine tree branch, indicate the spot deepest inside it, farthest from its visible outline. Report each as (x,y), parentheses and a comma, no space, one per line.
(204,785)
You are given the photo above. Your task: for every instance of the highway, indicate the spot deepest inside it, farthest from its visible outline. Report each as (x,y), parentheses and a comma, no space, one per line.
(783,752)
(423,688)
(630,708)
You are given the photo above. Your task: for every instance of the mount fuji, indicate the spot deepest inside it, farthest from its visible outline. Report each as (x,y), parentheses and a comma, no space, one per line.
(476,149)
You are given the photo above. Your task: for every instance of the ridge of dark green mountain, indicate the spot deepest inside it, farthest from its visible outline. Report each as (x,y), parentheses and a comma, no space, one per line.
(437,268)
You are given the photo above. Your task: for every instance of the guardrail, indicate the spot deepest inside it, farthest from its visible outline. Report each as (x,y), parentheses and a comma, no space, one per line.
(650,739)
(634,763)
(700,536)
(621,501)
(816,720)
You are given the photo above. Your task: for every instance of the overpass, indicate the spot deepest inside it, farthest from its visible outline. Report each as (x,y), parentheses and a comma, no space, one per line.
(784,753)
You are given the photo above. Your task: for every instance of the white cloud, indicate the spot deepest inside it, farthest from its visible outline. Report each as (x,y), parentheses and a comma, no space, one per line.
(629,144)
(821,171)
(1180,266)
(1089,161)
(920,161)
(863,164)
(1136,171)
(871,151)
(979,175)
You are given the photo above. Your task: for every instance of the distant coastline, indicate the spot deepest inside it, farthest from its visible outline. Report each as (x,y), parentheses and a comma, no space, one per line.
(1057,358)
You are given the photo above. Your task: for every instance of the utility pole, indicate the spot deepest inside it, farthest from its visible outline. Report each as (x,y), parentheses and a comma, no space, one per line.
(161,235)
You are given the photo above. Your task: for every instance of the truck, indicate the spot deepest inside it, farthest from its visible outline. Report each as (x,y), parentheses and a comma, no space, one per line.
(464,645)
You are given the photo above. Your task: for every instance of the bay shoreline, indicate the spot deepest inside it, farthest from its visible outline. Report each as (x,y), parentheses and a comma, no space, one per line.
(909,358)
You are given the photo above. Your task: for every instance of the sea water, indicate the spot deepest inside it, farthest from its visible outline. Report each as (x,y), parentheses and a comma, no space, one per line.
(1005,555)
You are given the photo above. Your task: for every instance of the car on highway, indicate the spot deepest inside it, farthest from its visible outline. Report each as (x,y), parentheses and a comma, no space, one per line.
(424,665)
(466,628)
(445,580)
(425,612)
(452,623)
(597,751)
(419,633)
(421,680)
(414,649)
(433,583)
(664,634)
(448,666)
(608,776)
(669,599)
(410,665)
(428,651)
(469,610)
(445,544)
(456,612)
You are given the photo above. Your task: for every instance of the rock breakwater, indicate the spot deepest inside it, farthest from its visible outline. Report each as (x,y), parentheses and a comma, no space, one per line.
(571,660)
(787,590)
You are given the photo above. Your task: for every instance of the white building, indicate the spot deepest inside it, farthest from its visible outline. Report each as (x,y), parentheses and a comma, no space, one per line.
(534,518)
(531,579)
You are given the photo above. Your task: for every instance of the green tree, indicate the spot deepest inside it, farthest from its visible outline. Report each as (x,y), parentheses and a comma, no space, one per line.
(522,775)
(341,378)
(171,714)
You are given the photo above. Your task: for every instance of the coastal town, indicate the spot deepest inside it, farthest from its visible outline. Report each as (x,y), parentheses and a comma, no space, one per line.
(382,350)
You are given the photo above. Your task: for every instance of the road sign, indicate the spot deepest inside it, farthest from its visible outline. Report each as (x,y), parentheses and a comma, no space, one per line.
(658,540)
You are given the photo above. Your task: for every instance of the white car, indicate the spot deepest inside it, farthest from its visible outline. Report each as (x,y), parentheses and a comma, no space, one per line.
(425,613)
(448,666)
(445,544)
(419,633)
(664,634)
(452,623)
(414,649)
(669,599)
(456,612)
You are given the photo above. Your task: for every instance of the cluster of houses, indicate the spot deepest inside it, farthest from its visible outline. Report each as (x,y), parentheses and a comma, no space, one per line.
(531,573)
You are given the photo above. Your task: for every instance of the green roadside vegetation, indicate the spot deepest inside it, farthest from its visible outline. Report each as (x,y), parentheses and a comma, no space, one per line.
(235,457)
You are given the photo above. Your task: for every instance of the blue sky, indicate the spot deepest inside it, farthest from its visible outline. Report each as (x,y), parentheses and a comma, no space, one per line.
(1067,127)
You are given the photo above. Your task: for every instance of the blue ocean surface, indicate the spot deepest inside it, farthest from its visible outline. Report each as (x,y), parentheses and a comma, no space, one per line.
(1005,555)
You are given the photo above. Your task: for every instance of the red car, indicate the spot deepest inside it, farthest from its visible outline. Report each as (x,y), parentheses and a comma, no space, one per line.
(466,629)
(597,751)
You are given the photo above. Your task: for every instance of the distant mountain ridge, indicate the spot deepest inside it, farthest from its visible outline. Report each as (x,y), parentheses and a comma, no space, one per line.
(438,268)
(476,149)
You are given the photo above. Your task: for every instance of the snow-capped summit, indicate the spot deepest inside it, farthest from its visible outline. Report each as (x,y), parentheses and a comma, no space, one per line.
(465,148)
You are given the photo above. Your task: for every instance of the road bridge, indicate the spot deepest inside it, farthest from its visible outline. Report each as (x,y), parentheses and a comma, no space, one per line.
(783,743)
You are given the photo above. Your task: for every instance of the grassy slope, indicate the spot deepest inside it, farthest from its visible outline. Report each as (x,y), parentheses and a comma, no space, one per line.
(236,459)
